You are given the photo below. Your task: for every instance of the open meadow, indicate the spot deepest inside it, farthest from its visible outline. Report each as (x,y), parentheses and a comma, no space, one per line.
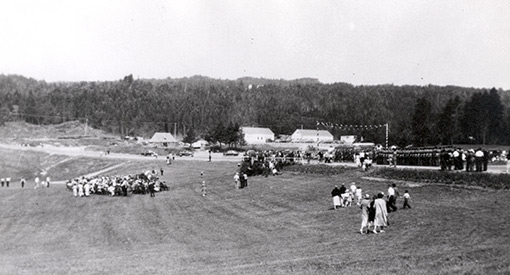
(277,225)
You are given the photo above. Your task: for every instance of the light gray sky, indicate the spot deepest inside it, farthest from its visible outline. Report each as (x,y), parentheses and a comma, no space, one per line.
(465,43)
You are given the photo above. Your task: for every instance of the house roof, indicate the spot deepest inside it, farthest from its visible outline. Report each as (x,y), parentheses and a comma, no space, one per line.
(312,133)
(257,131)
(162,137)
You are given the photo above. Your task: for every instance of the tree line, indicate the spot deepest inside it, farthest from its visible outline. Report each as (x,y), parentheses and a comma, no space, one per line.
(418,115)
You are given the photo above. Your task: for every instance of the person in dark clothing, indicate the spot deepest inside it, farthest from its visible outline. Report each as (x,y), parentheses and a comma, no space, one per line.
(336,197)
(151,189)
(371,213)
(342,189)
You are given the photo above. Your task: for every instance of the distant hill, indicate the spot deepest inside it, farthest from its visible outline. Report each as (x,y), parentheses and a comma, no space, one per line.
(71,129)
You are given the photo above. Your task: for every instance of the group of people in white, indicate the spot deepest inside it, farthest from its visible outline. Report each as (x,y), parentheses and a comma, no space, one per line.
(374,211)
(38,182)
(147,182)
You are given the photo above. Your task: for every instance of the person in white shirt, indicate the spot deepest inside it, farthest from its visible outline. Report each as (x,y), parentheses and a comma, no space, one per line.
(406,200)
(391,198)
(358,194)
(36,182)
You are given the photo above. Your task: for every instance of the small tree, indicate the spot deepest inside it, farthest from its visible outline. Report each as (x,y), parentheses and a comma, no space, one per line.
(190,136)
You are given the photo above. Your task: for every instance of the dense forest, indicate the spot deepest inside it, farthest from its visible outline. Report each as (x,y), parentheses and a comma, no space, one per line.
(418,115)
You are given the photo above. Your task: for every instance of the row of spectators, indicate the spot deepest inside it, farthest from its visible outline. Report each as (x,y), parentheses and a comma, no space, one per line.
(147,182)
(445,158)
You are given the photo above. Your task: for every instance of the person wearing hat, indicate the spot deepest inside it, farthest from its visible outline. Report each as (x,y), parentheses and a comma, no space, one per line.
(364,205)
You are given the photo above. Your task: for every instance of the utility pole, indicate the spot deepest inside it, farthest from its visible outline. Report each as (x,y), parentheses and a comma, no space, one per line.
(86,125)
(175,129)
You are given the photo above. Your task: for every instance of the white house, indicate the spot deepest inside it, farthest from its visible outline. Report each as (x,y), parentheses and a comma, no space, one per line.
(199,144)
(164,138)
(303,135)
(256,135)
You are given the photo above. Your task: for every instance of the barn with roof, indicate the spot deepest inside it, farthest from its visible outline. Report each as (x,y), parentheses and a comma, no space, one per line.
(162,138)
(305,135)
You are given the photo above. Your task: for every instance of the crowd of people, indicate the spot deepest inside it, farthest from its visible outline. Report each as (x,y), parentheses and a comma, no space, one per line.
(374,210)
(143,183)
(268,162)
(446,158)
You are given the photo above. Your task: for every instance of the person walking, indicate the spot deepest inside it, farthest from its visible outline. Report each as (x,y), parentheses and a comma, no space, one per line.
(22,182)
(381,214)
(392,198)
(364,205)
(7,181)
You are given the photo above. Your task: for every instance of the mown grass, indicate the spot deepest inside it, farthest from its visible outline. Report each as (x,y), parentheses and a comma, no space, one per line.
(277,225)
(485,180)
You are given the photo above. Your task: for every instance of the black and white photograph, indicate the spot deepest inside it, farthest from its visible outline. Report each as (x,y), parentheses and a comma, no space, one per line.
(254,137)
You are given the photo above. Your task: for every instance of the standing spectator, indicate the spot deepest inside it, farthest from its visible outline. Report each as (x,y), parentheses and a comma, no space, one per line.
(22,182)
(486,157)
(358,194)
(36,180)
(236,181)
(7,181)
(75,189)
(364,205)
(151,189)
(479,160)
(81,192)
(353,187)
(3,181)
(381,214)
(161,171)
(245,176)
(209,155)
(406,200)
(86,188)
(336,197)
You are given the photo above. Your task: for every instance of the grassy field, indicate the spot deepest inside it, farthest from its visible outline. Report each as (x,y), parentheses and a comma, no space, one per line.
(278,225)
(29,164)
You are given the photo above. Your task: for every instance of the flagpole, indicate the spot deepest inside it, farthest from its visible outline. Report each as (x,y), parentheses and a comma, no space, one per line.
(387,135)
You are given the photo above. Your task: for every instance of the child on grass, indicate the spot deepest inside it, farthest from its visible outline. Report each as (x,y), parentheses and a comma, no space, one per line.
(406,200)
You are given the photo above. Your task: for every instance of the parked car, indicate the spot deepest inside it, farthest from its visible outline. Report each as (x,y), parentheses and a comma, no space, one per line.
(231,153)
(186,153)
(148,153)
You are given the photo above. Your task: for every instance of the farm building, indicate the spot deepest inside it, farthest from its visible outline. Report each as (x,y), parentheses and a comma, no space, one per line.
(200,144)
(163,138)
(303,135)
(255,135)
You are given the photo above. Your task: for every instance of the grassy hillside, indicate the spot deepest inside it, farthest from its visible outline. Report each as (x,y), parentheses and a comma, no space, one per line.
(278,225)
(29,164)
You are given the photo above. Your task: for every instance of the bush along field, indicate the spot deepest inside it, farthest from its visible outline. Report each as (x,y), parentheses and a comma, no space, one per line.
(484,180)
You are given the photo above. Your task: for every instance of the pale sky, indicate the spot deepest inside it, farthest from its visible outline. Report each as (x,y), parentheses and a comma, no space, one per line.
(464,43)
